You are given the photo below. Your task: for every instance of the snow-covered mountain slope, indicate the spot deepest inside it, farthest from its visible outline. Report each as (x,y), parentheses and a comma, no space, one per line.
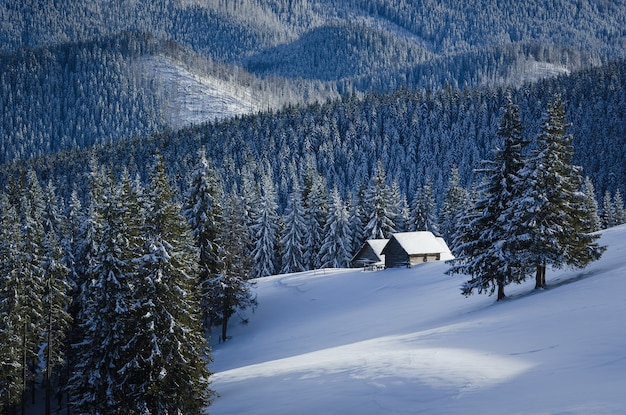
(193,99)
(405,341)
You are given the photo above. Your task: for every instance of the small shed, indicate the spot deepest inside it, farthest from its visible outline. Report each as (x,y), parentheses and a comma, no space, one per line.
(410,248)
(370,254)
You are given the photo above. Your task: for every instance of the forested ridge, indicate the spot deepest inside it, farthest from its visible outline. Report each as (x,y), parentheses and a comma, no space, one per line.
(416,135)
(292,51)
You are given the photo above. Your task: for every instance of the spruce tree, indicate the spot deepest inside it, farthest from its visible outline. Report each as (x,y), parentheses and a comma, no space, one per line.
(105,320)
(424,210)
(292,240)
(609,218)
(335,251)
(620,212)
(32,285)
(169,372)
(231,289)
(13,304)
(315,203)
(265,231)
(591,205)
(453,206)
(492,252)
(203,211)
(553,205)
(57,294)
(380,208)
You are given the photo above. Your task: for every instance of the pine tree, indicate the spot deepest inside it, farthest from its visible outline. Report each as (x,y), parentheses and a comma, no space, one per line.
(380,208)
(424,210)
(13,302)
(292,241)
(169,372)
(203,211)
(553,205)
(57,290)
(105,319)
(32,281)
(609,218)
(453,206)
(492,253)
(335,251)
(591,205)
(620,212)
(265,231)
(231,289)
(315,203)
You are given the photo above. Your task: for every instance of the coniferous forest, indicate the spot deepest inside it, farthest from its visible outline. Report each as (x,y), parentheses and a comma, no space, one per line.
(128,238)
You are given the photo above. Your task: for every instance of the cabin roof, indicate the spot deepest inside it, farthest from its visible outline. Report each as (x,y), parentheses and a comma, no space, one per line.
(422,242)
(377,245)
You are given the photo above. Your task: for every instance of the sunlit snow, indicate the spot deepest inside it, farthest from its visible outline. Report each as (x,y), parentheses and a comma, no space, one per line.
(405,341)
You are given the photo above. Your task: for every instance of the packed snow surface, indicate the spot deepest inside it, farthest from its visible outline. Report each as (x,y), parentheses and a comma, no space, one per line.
(405,341)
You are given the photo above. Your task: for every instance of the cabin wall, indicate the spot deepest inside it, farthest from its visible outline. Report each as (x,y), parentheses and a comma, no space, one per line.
(421,258)
(395,255)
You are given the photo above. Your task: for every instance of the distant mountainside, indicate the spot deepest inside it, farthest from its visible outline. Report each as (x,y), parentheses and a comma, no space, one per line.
(74,74)
(340,40)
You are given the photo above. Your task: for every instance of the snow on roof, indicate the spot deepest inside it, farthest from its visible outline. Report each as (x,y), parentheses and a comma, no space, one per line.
(446,254)
(422,242)
(377,245)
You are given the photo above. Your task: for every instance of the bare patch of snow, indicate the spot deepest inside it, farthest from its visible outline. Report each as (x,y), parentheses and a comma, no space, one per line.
(194,99)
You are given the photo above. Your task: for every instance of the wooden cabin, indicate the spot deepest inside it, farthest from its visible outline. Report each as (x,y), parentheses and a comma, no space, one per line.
(369,256)
(410,248)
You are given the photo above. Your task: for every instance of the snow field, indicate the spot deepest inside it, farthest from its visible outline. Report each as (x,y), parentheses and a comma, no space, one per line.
(406,341)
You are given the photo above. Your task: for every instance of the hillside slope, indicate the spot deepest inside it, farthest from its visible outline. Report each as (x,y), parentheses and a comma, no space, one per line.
(405,341)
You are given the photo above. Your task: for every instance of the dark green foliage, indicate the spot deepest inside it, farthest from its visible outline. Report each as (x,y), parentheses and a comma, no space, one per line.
(204,212)
(491,251)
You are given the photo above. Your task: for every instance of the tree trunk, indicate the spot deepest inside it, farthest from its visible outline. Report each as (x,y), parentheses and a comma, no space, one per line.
(225,316)
(540,276)
(501,291)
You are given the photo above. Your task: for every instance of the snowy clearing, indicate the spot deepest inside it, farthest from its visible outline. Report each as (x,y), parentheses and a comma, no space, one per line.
(194,99)
(405,341)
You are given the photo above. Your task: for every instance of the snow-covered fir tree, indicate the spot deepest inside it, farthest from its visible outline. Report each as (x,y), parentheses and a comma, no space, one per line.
(553,205)
(32,284)
(454,205)
(293,238)
(203,210)
(167,371)
(13,306)
(105,319)
(618,204)
(380,207)
(591,205)
(231,291)
(335,250)
(492,252)
(315,203)
(424,210)
(357,220)
(608,211)
(56,301)
(265,230)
